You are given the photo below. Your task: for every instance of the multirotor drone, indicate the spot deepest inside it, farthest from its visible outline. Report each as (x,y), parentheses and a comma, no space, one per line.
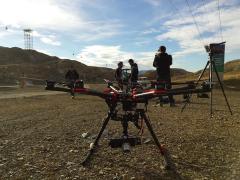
(133,98)
(133,103)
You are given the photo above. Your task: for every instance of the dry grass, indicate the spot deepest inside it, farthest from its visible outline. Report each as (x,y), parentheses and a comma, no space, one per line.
(40,138)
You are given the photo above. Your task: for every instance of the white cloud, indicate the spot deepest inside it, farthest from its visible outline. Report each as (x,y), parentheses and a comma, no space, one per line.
(154,2)
(182,29)
(151,31)
(36,14)
(58,16)
(99,55)
(50,40)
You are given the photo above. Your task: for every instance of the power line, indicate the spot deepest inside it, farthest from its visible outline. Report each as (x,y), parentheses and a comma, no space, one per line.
(195,22)
(204,6)
(178,11)
(220,22)
(208,21)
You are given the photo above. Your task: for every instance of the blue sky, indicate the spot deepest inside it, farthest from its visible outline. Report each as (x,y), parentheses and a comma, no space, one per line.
(103,32)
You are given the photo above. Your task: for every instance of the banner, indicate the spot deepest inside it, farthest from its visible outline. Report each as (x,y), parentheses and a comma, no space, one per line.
(217,55)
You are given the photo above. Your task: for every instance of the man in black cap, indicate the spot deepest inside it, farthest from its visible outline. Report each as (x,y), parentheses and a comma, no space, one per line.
(162,62)
(71,77)
(118,75)
(134,72)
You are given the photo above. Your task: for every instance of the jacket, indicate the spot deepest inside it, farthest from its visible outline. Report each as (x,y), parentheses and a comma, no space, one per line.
(162,62)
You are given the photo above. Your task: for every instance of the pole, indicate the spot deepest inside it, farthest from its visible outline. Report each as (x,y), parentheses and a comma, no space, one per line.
(220,82)
(210,81)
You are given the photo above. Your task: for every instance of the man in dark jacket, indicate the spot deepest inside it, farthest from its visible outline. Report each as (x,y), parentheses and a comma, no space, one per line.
(119,76)
(162,62)
(134,72)
(71,77)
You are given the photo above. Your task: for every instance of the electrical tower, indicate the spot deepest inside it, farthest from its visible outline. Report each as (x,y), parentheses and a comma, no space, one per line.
(28,39)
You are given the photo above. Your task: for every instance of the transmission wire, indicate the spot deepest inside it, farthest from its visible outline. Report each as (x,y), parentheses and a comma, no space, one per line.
(220,22)
(195,22)
(178,11)
(208,21)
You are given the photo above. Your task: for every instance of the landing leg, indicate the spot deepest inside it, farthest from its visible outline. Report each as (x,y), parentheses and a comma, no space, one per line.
(162,150)
(95,143)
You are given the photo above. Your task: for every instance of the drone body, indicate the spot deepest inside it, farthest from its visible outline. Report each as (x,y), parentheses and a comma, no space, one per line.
(133,103)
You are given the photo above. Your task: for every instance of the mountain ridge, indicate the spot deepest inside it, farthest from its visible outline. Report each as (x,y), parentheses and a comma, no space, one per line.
(16,63)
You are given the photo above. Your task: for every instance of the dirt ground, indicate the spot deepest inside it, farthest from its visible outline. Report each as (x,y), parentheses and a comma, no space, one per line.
(41,138)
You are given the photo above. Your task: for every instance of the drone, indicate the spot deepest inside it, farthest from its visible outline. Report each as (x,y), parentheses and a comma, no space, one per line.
(129,103)
(127,106)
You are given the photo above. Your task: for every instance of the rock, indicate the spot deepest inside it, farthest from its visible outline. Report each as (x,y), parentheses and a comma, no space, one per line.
(73,151)
(91,146)
(162,167)
(85,135)
(70,163)
(147,140)
(174,156)
(48,138)
(27,165)
(101,172)
(107,169)
(105,133)
(20,158)
(82,168)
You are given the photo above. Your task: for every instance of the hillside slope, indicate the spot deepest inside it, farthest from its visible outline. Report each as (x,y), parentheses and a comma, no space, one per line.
(16,62)
(175,73)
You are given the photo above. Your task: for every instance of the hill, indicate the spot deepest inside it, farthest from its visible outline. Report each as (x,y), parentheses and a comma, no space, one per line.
(231,71)
(175,73)
(16,62)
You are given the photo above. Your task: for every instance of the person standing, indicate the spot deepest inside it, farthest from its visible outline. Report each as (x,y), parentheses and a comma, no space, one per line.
(134,72)
(71,77)
(162,63)
(119,76)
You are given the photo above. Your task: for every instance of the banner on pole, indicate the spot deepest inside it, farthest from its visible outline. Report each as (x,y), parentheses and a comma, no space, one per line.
(218,53)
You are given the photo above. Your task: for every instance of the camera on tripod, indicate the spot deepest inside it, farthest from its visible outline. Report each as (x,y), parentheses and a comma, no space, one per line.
(207,48)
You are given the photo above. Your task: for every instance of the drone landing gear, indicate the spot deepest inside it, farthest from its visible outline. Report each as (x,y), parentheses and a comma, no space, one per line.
(127,140)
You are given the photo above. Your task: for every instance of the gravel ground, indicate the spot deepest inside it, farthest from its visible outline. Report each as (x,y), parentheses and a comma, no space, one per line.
(41,138)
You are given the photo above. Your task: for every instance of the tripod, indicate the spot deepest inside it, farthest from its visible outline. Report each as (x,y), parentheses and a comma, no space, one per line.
(212,66)
(125,134)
